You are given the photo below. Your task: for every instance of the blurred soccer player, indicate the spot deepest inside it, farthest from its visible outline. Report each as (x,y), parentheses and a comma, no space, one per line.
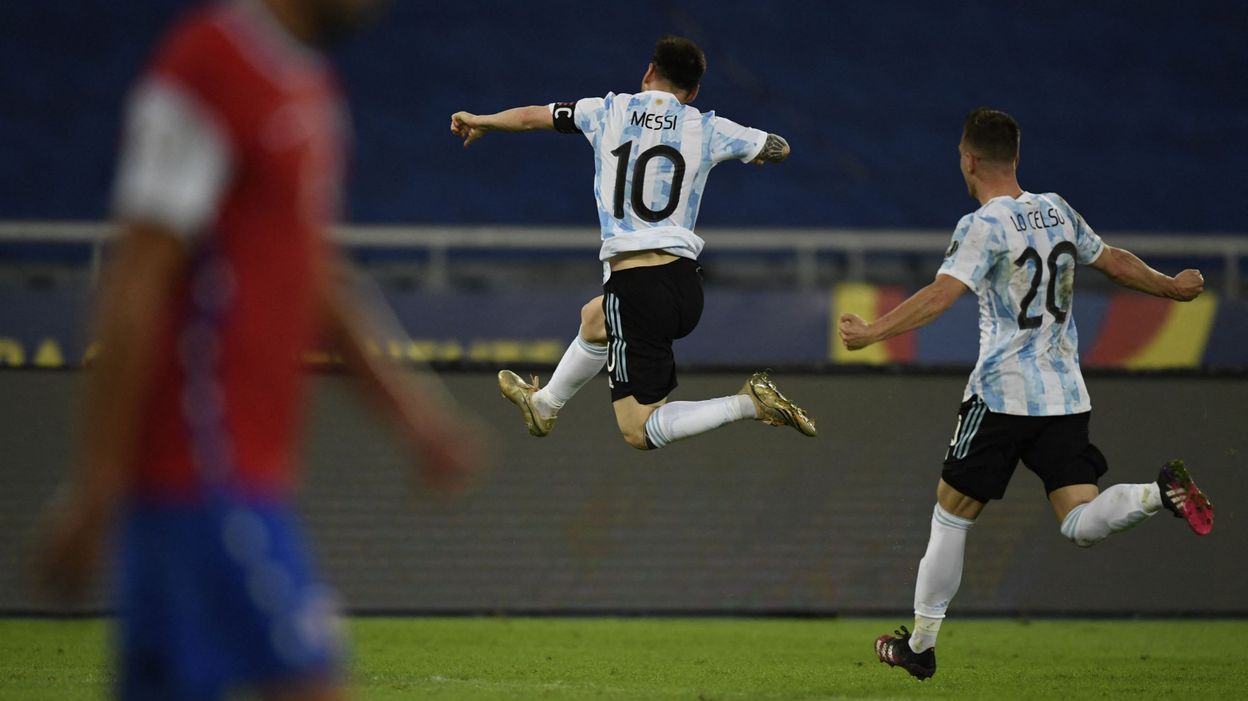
(652,154)
(1026,399)
(220,281)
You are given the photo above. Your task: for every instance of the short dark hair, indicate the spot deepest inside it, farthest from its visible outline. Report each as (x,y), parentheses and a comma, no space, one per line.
(992,134)
(680,62)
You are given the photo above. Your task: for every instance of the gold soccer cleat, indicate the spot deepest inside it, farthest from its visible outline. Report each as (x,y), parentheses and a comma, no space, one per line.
(773,407)
(520,393)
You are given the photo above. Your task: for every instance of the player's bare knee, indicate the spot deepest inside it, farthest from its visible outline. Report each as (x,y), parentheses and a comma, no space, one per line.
(636,438)
(594,322)
(633,431)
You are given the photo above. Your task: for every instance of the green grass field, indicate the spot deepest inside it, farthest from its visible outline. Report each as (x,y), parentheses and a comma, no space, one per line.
(701,660)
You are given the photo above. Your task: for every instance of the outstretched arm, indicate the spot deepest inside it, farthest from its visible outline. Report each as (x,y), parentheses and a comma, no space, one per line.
(1126,269)
(775,150)
(470,127)
(922,308)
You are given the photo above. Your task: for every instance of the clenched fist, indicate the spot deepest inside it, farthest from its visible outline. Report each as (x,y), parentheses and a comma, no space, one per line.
(468,127)
(1188,285)
(855,333)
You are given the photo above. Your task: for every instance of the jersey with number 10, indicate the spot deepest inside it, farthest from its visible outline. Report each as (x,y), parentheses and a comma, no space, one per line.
(1018,255)
(651,158)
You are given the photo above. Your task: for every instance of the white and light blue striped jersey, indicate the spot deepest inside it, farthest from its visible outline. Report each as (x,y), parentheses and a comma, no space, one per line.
(651,158)
(1018,255)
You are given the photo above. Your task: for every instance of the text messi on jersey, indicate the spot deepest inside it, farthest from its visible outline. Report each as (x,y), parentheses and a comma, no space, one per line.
(653,121)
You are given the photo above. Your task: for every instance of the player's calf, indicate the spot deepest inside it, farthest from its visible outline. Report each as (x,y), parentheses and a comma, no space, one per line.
(1123,506)
(1118,508)
(650,427)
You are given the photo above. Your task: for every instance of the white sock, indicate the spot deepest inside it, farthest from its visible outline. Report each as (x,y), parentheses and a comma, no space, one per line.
(676,420)
(940,573)
(581,361)
(1114,510)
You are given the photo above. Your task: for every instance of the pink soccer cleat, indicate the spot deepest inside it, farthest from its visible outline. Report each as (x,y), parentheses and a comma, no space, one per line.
(894,651)
(1181,496)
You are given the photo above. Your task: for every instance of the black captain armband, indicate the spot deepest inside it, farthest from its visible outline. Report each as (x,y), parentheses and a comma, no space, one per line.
(564,114)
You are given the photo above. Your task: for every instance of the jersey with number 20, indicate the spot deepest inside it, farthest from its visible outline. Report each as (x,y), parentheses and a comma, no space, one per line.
(1018,254)
(651,158)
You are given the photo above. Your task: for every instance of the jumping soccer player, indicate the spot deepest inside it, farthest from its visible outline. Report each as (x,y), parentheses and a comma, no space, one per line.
(220,281)
(652,154)
(1026,398)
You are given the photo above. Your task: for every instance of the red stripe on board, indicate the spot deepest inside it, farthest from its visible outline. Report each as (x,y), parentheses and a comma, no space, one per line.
(903,348)
(1132,321)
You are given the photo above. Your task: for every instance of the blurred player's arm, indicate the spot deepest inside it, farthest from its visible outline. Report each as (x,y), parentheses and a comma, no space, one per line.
(920,309)
(173,168)
(143,271)
(470,127)
(1126,269)
(775,150)
(451,443)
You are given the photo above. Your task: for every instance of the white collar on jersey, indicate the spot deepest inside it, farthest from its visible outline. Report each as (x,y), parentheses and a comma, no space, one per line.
(1022,196)
(660,92)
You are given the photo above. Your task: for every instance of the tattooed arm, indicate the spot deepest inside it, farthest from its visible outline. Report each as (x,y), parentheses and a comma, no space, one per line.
(775,150)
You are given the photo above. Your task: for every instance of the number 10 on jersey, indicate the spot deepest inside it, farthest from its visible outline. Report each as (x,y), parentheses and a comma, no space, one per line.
(623,153)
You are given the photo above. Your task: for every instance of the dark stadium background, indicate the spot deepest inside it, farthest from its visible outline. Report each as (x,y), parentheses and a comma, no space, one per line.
(1136,112)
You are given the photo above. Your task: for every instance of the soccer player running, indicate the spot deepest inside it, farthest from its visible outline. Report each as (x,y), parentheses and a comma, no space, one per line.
(219,283)
(1026,398)
(652,154)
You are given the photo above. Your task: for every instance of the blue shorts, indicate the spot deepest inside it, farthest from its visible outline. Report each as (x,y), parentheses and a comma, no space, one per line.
(217,597)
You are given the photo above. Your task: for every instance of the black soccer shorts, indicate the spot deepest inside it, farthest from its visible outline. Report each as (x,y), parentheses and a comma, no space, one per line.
(647,308)
(987,446)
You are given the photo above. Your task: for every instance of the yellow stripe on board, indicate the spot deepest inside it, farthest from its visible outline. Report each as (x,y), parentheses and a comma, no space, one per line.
(1181,341)
(863,300)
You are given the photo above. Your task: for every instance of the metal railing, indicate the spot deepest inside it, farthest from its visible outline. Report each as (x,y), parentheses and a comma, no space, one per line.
(805,245)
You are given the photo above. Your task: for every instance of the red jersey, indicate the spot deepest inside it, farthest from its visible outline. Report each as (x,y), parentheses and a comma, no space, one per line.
(234,140)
